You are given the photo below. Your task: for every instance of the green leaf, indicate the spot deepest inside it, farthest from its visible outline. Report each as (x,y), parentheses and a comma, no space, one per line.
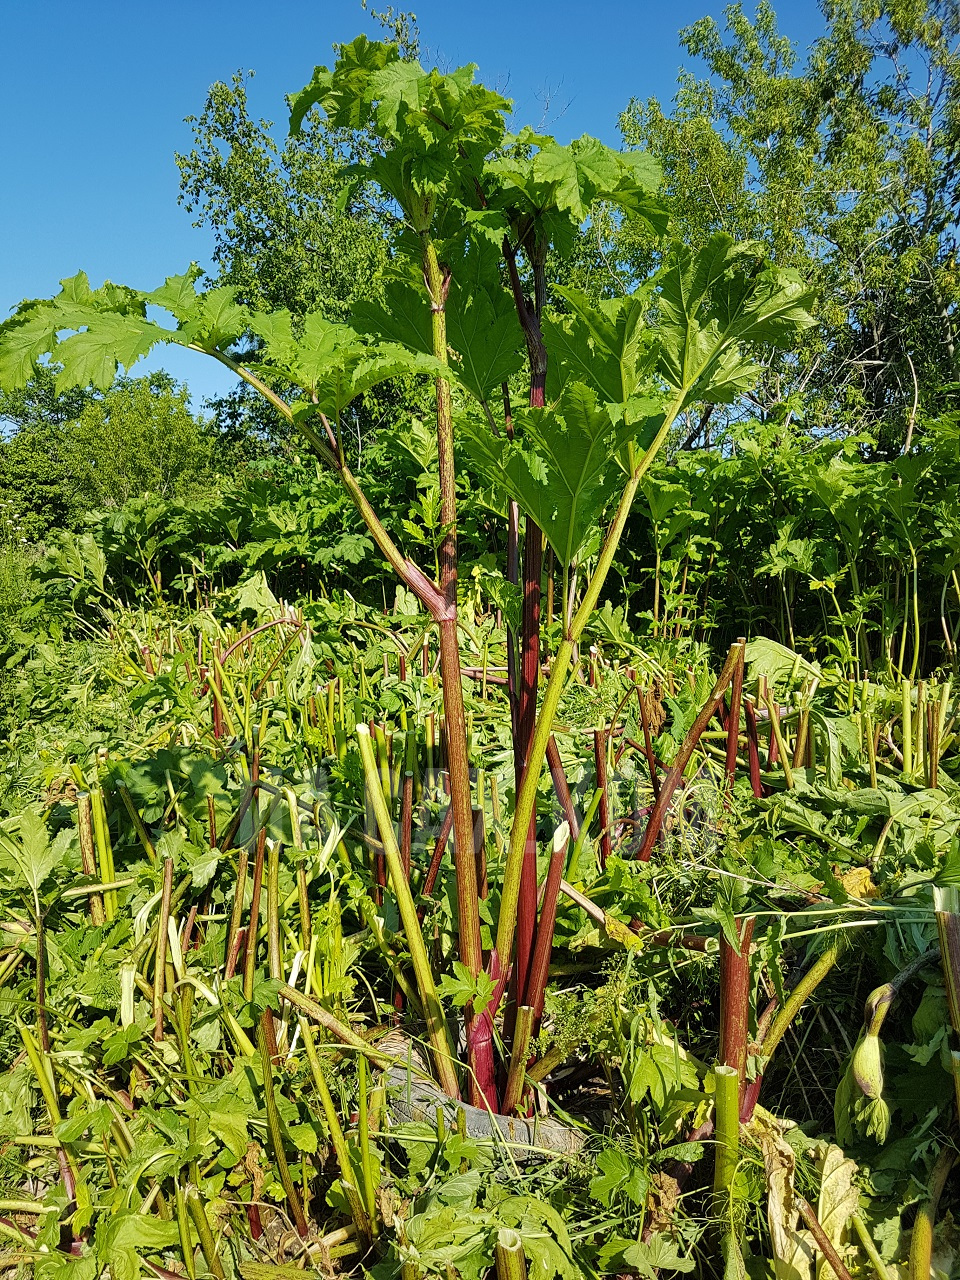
(26,852)
(712,301)
(618,1173)
(559,467)
(344,93)
(482,326)
(123,1237)
(660,1253)
(604,345)
(91,358)
(462,988)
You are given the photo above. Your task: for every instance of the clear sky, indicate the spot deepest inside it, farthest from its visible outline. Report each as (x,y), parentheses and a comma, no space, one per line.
(93,96)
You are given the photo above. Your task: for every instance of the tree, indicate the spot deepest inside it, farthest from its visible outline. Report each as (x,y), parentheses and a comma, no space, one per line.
(847,172)
(73,451)
(141,437)
(37,491)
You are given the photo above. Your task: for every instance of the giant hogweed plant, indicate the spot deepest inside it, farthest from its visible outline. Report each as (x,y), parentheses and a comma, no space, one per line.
(466,306)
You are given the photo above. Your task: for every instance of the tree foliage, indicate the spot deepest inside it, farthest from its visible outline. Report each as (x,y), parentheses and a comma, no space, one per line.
(846,168)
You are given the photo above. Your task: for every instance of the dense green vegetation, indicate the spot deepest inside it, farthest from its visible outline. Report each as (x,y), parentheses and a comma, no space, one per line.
(486,794)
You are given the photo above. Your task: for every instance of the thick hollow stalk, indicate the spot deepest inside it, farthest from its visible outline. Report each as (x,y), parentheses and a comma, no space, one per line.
(518,1062)
(479,1044)
(274,960)
(436,1024)
(781,1023)
(727,1129)
(773,711)
(735,999)
(540,966)
(160,963)
(733,726)
(824,1243)
(101,833)
(753,748)
(253,927)
(358,1211)
(600,765)
(559,672)
(562,787)
(202,1225)
(88,853)
(510,1259)
(143,834)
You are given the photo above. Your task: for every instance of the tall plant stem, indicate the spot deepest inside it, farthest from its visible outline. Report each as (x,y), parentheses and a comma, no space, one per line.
(781,1023)
(88,853)
(559,672)
(526,720)
(358,1210)
(265,1035)
(733,727)
(479,1034)
(201,1223)
(253,926)
(921,1240)
(823,1241)
(160,963)
(727,1128)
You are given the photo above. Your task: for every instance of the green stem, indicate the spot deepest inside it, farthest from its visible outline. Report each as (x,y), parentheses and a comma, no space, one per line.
(207,1244)
(436,1023)
(804,988)
(366,1161)
(510,1259)
(530,782)
(361,1217)
(273,1126)
(921,1240)
(727,1129)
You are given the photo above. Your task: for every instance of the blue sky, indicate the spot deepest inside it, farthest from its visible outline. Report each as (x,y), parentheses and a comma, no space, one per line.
(93,95)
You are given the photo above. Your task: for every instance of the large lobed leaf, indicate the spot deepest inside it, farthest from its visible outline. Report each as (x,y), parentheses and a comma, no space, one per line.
(330,362)
(714,301)
(560,466)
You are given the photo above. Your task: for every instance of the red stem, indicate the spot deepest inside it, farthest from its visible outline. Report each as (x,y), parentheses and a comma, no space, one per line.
(687,747)
(735,999)
(562,788)
(733,721)
(753,748)
(540,966)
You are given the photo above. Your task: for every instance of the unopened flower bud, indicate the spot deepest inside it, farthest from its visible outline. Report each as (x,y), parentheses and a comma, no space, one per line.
(867,1065)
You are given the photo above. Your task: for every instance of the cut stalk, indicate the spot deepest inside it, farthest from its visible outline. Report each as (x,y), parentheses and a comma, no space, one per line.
(518,1061)
(200,1221)
(436,1024)
(600,766)
(687,747)
(253,928)
(264,1037)
(358,1211)
(540,967)
(160,962)
(88,854)
(509,1255)
(735,999)
(727,1083)
(733,724)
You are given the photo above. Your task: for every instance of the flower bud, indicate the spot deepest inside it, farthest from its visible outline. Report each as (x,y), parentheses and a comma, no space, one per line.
(867,1065)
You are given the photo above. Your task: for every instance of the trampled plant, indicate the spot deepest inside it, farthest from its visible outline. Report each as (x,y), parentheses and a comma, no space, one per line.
(465,307)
